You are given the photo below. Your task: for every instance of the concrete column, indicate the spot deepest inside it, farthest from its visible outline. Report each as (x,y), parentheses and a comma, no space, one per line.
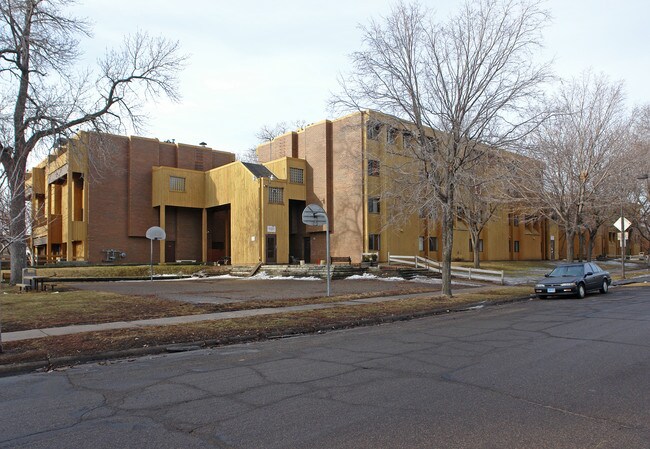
(204,233)
(69,184)
(161,259)
(48,218)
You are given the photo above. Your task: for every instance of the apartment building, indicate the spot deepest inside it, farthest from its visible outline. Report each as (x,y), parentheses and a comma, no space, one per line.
(345,161)
(95,197)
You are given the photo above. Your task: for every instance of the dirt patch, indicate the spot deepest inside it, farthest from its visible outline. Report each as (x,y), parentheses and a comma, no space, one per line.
(227,290)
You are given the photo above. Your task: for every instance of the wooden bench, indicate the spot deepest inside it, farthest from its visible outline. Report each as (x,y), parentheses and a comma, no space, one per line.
(24,287)
(48,284)
(347,260)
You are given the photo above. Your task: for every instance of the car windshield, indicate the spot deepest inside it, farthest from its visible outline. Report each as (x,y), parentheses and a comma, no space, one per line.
(568,271)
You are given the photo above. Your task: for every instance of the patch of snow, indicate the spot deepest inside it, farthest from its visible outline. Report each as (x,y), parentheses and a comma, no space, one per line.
(368,276)
(436,281)
(262,275)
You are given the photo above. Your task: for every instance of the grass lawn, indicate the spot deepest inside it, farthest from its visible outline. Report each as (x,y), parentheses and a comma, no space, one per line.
(513,267)
(121,271)
(226,330)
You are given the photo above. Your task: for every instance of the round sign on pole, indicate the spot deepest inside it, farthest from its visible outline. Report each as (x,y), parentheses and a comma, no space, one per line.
(154,233)
(314,215)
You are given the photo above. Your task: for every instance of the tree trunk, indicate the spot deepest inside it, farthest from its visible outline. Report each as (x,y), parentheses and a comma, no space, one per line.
(570,237)
(592,243)
(581,245)
(476,249)
(17,224)
(447,247)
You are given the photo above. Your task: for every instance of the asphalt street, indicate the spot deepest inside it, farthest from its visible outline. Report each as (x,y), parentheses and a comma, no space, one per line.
(538,374)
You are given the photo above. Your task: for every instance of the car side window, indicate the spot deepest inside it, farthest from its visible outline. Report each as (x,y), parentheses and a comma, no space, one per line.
(596,268)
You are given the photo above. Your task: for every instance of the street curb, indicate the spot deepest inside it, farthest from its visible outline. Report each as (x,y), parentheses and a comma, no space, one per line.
(59,362)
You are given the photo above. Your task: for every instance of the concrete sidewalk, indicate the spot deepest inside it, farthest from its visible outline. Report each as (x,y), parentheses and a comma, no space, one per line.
(77,329)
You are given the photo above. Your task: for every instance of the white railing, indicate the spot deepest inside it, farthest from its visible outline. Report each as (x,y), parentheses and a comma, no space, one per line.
(461,272)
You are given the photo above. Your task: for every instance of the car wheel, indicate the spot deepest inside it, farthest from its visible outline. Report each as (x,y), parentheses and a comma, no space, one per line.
(581,291)
(605,287)
(541,296)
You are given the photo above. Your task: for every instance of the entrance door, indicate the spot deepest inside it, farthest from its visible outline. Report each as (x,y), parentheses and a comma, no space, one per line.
(170,251)
(306,255)
(270,248)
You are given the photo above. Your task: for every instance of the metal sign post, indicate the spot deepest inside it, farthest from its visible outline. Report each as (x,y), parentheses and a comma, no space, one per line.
(314,215)
(154,233)
(622,224)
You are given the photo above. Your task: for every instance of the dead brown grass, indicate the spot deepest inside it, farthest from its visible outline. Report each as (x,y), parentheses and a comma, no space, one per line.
(251,328)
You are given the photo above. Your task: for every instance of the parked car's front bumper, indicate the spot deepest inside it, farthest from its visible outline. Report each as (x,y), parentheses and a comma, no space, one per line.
(548,290)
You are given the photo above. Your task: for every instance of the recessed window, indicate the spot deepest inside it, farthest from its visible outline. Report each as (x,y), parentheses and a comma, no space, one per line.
(516,246)
(276,195)
(480,246)
(373,205)
(373,242)
(391,136)
(408,139)
(433,243)
(372,130)
(176,184)
(420,243)
(373,168)
(296,175)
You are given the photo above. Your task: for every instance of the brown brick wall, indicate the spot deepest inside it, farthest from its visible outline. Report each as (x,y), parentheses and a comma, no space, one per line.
(119,197)
(142,156)
(108,201)
(167,154)
(348,203)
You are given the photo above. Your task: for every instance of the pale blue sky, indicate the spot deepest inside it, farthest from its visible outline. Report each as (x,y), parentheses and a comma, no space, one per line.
(261,62)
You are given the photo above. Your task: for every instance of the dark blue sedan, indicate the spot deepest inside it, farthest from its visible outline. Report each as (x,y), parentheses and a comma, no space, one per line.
(574,279)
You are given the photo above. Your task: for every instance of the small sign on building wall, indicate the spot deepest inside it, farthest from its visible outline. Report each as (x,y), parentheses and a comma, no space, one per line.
(270,229)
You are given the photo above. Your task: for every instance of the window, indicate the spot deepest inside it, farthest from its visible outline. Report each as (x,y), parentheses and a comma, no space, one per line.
(373,242)
(373,168)
(176,184)
(480,246)
(516,246)
(409,142)
(433,243)
(515,220)
(296,175)
(276,195)
(372,130)
(391,136)
(420,243)
(373,205)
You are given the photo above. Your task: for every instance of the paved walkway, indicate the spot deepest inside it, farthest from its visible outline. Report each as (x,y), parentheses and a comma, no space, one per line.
(77,329)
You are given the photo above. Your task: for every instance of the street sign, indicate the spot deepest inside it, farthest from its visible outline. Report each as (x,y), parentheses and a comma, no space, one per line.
(314,215)
(625,221)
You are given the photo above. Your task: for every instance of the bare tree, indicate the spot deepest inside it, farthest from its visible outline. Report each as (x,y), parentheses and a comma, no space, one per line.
(640,155)
(580,147)
(482,192)
(43,99)
(471,77)
(269,132)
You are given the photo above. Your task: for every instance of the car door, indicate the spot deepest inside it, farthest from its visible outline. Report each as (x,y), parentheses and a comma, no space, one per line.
(594,280)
